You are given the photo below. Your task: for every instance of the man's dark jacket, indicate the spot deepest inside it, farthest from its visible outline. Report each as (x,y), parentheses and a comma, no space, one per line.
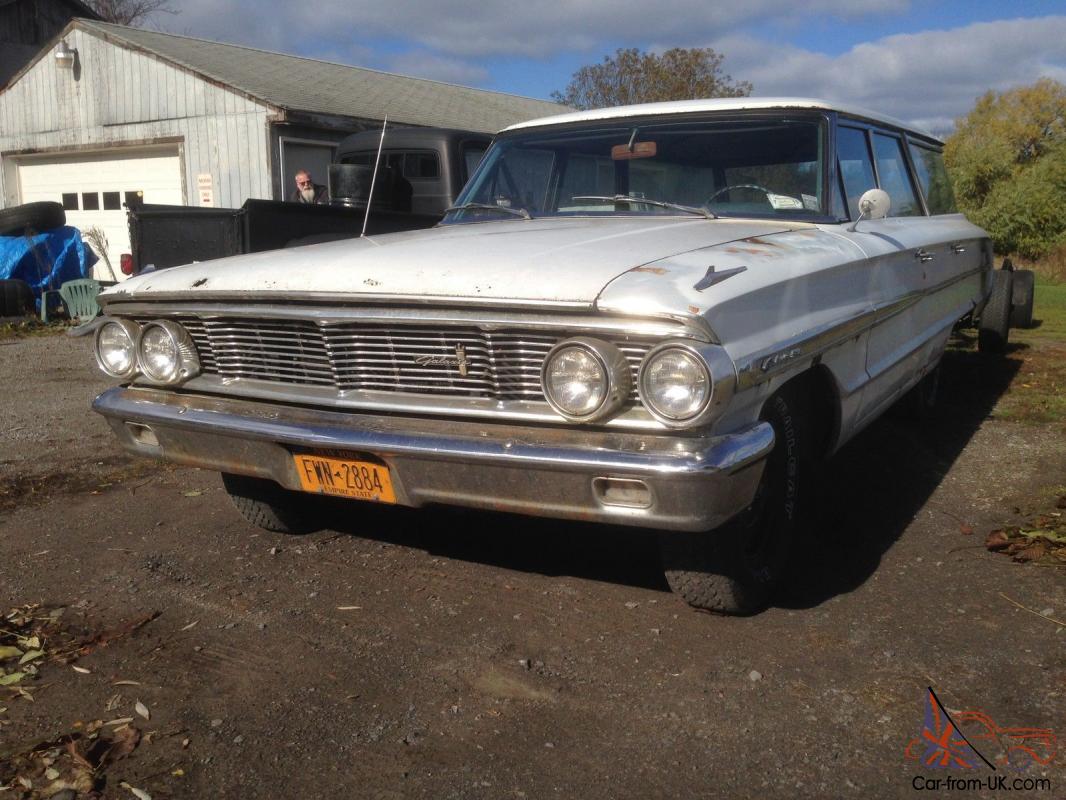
(321,195)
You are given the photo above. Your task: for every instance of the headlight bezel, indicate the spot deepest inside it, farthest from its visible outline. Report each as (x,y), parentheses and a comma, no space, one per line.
(187,361)
(133,333)
(720,373)
(616,371)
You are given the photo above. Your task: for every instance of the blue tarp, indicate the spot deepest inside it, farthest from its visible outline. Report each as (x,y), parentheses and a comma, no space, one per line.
(47,260)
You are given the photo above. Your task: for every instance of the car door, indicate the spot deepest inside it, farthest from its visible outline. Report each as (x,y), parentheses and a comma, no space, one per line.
(904,249)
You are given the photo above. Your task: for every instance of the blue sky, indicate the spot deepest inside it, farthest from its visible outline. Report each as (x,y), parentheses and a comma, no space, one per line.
(922,60)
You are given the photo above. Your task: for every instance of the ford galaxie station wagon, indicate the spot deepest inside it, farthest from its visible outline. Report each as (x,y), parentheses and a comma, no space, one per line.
(657,315)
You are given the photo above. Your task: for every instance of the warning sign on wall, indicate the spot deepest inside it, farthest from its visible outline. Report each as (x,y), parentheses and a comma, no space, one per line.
(205,189)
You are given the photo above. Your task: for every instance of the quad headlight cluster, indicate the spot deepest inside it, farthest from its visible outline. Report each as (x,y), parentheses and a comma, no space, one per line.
(161,351)
(588,380)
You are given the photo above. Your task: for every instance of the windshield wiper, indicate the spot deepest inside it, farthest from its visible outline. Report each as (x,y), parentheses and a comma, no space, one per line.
(628,198)
(518,212)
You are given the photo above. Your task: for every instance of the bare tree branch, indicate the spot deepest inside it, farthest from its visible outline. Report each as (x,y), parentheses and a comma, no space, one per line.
(130,12)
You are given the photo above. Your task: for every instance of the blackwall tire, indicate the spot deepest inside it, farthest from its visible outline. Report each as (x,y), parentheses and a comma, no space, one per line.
(31,218)
(736,568)
(16,298)
(1021,315)
(267,505)
(994,328)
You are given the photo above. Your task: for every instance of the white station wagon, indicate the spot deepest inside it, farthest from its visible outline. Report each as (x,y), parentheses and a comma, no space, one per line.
(657,315)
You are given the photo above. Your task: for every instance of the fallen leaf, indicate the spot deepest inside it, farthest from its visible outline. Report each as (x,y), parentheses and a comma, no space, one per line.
(33,643)
(178,773)
(142,709)
(966,530)
(191,625)
(51,773)
(9,652)
(31,655)
(997,540)
(26,782)
(125,742)
(82,670)
(125,683)
(119,721)
(140,794)
(12,678)
(193,493)
(1033,552)
(184,743)
(349,608)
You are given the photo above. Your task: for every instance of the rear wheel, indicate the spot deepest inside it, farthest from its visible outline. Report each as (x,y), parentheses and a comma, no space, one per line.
(267,505)
(995,318)
(735,568)
(1021,315)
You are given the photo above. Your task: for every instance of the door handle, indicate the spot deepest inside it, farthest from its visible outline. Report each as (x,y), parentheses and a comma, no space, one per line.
(923,255)
(957,249)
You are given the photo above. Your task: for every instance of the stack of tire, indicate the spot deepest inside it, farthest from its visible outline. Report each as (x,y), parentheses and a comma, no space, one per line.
(16,297)
(1010,305)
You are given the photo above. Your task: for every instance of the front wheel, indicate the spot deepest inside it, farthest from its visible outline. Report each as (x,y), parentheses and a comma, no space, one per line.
(266,505)
(735,568)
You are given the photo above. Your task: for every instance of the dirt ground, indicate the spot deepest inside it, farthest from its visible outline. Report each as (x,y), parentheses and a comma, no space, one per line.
(448,654)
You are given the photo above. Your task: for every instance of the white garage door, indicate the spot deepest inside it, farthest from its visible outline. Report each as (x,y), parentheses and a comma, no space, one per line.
(95,188)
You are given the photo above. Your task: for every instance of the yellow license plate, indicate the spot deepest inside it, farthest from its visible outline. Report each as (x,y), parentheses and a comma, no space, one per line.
(362,480)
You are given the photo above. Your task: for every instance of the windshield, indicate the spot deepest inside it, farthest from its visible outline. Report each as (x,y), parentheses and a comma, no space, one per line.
(763,167)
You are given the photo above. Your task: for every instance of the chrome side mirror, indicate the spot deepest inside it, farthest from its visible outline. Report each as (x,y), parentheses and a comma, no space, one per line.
(874,204)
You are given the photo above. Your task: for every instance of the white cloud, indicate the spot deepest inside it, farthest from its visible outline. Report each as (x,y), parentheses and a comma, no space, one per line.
(474,28)
(928,78)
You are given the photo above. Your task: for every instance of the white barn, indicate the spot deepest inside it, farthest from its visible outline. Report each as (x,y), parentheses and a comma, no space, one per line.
(143,116)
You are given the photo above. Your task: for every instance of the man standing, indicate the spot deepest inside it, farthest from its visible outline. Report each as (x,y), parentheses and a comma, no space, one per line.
(307,191)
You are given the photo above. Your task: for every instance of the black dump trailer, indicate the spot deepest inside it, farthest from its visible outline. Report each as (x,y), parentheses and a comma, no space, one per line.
(421,171)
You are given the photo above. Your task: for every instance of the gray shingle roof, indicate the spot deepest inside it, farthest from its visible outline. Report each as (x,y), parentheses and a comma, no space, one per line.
(322,87)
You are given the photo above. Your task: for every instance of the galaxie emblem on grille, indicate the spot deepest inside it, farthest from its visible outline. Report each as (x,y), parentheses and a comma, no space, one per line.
(458,360)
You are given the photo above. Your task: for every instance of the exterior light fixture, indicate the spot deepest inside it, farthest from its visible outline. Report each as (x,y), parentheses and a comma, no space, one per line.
(65,55)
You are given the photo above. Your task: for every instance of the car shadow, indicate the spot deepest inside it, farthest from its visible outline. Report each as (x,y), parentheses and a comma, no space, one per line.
(872,489)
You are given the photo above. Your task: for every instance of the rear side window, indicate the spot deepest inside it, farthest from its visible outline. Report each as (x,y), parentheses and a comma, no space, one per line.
(933,177)
(895,178)
(421,165)
(856,166)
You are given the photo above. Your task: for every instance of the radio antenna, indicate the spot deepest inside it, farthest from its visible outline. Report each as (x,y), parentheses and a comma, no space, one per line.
(374,177)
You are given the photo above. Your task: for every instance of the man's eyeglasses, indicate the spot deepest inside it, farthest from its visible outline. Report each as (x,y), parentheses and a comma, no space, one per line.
(303,183)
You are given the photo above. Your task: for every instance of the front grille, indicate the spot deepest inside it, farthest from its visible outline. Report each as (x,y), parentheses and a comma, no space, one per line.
(500,364)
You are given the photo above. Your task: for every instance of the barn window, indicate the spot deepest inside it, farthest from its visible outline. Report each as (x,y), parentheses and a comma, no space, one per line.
(90,201)
(112,201)
(70,201)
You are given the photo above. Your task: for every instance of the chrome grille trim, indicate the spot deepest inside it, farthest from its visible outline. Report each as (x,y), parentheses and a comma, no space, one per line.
(356,356)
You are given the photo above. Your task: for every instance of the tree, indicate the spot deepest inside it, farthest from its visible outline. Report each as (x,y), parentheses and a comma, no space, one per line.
(632,76)
(130,12)
(1007,160)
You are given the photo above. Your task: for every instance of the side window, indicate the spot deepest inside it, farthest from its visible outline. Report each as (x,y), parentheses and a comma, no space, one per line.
(472,154)
(421,165)
(856,166)
(895,179)
(933,177)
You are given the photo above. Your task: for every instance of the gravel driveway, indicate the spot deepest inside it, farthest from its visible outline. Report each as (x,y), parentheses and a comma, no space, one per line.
(443,654)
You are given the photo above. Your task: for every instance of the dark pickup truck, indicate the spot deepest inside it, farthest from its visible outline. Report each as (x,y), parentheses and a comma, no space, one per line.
(419,175)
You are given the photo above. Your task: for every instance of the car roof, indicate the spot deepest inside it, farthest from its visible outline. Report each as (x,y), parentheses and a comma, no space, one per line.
(719,104)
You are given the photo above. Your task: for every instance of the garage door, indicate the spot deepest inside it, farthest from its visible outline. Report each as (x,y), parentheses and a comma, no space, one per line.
(95,188)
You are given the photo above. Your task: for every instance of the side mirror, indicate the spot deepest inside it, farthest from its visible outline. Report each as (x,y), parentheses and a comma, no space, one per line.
(874,204)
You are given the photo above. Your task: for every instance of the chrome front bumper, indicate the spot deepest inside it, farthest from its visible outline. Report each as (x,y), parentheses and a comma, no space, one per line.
(659,481)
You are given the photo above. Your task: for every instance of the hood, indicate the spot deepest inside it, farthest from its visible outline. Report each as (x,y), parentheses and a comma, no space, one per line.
(544,261)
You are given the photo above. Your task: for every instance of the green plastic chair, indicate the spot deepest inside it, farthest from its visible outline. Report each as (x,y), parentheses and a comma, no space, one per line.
(79,296)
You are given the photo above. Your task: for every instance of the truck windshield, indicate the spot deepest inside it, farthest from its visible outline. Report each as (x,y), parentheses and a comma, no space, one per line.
(764,167)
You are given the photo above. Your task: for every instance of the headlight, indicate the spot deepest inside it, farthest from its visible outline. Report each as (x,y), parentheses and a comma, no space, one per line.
(166,354)
(675,385)
(116,348)
(586,379)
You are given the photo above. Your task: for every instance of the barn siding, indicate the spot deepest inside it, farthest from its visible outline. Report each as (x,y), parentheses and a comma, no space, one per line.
(121,96)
